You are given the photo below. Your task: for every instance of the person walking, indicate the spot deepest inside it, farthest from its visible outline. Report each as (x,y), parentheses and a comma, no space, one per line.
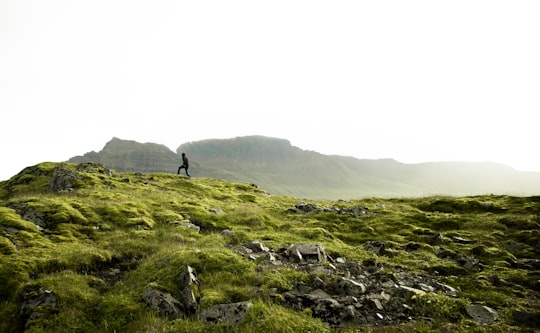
(185,164)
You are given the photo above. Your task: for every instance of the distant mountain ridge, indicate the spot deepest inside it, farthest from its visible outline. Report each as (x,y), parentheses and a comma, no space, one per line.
(277,166)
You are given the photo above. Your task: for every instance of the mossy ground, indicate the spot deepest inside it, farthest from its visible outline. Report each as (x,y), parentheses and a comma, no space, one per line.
(131,221)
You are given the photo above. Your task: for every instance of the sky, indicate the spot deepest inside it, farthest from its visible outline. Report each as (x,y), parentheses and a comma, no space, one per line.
(416,81)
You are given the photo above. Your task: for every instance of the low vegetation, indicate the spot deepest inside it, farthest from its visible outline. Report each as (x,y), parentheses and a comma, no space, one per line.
(98,240)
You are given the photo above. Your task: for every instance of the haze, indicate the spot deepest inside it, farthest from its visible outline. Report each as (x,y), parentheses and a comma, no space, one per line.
(411,80)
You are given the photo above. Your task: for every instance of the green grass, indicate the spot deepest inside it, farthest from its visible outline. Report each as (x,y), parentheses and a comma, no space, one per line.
(131,221)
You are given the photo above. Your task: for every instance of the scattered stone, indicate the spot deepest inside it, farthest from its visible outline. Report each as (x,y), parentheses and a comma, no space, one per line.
(377,247)
(307,252)
(471,264)
(232,313)
(482,314)
(92,167)
(226,233)
(437,239)
(529,319)
(412,247)
(216,211)
(256,246)
(36,302)
(345,286)
(162,302)
(189,287)
(461,240)
(310,208)
(188,225)
(527,263)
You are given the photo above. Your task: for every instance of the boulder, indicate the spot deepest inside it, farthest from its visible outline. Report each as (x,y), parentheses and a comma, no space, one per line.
(256,246)
(306,252)
(232,313)
(189,287)
(482,314)
(162,302)
(36,302)
(63,180)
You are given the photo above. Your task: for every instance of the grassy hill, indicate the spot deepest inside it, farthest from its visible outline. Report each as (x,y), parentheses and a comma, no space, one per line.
(80,244)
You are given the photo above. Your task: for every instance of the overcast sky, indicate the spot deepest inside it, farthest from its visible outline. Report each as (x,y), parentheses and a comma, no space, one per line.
(415,81)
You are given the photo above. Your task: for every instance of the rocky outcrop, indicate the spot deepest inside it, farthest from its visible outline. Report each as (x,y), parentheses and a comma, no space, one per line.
(63,180)
(187,303)
(346,293)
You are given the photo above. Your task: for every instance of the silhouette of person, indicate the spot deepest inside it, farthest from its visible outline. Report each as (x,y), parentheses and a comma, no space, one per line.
(185,164)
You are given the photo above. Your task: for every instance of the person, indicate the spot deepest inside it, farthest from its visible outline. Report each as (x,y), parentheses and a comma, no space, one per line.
(185,164)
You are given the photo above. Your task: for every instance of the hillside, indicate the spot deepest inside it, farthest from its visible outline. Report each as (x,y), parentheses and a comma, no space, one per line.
(280,168)
(84,248)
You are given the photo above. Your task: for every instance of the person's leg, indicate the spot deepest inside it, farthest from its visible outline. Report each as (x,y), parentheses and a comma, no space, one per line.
(187,173)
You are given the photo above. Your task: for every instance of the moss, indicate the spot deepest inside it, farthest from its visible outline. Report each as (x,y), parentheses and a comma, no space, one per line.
(10,219)
(6,246)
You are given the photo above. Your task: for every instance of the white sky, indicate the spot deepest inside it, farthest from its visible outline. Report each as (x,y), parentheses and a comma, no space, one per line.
(411,80)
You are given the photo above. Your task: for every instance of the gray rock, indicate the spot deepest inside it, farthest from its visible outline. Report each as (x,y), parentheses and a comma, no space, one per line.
(256,246)
(482,314)
(190,292)
(344,286)
(162,302)
(232,313)
(376,247)
(226,233)
(307,252)
(188,225)
(36,302)
(461,240)
(63,180)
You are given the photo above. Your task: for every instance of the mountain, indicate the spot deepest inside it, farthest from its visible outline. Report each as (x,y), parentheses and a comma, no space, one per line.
(127,155)
(277,166)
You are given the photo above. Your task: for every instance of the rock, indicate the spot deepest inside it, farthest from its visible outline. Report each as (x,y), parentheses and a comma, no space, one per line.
(471,264)
(482,314)
(527,263)
(31,215)
(232,313)
(226,233)
(307,252)
(358,211)
(412,247)
(63,180)
(91,167)
(437,239)
(216,211)
(189,287)
(377,247)
(302,207)
(256,246)
(162,302)
(36,302)
(188,225)
(344,286)
(529,319)
(461,240)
